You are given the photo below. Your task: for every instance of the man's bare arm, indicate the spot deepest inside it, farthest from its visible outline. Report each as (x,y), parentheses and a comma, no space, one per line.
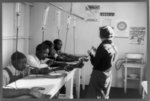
(34,92)
(10,92)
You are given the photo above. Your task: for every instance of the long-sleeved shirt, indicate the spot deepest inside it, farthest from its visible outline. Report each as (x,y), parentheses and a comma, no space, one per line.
(105,53)
(35,62)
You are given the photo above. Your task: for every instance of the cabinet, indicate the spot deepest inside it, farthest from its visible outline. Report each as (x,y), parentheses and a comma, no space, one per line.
(133,61)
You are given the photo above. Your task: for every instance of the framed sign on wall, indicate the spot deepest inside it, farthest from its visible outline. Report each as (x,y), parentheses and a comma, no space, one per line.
(137,35)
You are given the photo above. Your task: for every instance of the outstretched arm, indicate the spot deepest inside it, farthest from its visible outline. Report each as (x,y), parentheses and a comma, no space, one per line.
(70,58)
(34,92)
(9,92)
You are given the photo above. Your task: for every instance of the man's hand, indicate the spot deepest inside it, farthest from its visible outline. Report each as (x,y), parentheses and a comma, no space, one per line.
(68,68)
(90,53)
(45,70)
(35,92)
(94,49)
(80,64)
(26,71)
(85,58)
(34,71)
(50,62)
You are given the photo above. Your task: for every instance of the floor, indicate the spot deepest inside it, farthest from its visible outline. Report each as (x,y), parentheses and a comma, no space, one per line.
(116,93)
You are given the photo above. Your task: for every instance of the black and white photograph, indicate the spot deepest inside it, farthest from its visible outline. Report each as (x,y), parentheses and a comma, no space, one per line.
(75,50)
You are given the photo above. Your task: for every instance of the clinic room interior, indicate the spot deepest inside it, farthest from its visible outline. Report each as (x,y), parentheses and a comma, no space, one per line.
(78,26)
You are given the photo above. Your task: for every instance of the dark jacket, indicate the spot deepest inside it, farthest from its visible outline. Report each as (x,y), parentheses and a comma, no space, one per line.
(103,57)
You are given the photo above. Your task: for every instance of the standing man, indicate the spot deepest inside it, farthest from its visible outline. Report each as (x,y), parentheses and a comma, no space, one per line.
(101,77)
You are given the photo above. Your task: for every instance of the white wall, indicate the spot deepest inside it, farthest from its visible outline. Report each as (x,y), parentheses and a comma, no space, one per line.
(9,30)
(133,13)
(37,13)
(86,33)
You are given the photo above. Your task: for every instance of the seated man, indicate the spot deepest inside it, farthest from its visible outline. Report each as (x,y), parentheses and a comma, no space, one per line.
(39,60)
(59,60)
(55,63)
(64,56)
(18,69)
(52,55)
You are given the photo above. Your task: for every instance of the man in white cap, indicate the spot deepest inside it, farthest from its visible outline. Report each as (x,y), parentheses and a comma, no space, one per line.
(101,77)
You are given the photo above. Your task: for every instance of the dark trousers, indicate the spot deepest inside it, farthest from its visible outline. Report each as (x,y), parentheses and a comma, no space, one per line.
(99,86)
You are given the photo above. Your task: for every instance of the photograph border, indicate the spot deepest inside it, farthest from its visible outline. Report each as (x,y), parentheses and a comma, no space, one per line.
(148,46)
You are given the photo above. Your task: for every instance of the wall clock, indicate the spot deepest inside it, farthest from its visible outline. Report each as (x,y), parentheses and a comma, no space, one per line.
(122,26)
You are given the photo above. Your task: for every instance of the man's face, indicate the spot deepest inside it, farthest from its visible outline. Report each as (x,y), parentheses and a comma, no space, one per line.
(43,55)
(51,50)
(59,45)
(20,64)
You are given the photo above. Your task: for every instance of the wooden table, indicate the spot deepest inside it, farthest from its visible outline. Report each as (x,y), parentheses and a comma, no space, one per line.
(51,85)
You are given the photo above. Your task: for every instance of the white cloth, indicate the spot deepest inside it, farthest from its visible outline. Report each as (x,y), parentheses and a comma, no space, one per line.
(145,86)
(33,61)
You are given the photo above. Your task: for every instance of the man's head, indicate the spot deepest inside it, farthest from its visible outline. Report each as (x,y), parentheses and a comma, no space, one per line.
(50,44)
(42,51)
(19,60)
(106,32)
(57,44)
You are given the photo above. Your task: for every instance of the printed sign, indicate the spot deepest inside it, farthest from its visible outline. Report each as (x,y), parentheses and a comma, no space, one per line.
(137,35)
(92,12)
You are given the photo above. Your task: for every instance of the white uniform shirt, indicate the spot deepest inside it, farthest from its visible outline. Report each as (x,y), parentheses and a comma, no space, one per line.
(33,61)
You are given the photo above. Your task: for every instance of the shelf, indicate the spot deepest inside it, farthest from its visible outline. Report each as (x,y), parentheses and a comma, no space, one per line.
(132,78)
(133,65)
(128,78)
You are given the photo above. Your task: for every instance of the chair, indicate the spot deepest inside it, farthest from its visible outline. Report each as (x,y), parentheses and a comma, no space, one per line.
(134,61)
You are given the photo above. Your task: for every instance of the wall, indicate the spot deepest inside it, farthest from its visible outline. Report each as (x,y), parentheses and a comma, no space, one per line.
(86,33)
(9,30)
(37,13)
(133,13)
